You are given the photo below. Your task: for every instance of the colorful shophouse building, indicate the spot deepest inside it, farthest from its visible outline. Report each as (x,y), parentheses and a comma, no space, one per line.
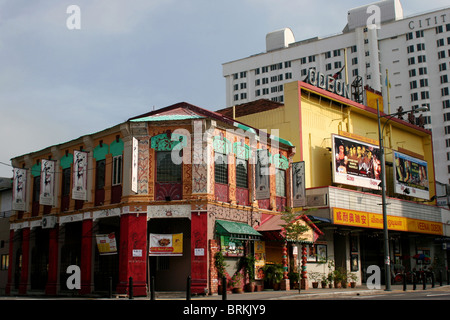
(151,198)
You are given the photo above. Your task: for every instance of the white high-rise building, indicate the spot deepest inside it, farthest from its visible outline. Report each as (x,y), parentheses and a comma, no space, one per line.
(377,45)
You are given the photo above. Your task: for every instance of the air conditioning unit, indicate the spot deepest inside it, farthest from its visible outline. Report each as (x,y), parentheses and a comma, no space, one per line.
(48,222)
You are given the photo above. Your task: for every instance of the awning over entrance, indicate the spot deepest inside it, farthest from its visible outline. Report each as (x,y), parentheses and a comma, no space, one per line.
(237,230)
(272,229)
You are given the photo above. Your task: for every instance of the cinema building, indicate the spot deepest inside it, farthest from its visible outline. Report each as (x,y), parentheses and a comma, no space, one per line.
(154,197)
(338,155)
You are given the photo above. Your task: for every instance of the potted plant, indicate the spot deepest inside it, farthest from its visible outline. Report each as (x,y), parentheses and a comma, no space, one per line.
(293,279)
(235,282)
(344,277)
(337,278)
(324,281)
(220,264)
(353,277)
(249,268)
(315,277)
(273,274)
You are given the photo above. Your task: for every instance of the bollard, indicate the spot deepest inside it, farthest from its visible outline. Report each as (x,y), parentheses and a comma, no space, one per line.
(404,281)
(110,287)
(424,280)
(188,289)
(130,291)
(152,288)
(432,279)
(414,280)
(224,288)
(440,278)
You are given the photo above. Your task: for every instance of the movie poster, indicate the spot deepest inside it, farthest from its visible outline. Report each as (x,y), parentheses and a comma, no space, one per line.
(411,176)
(19,189)
(80,167)
(48,177)
(262,174)
(298,184)
(355,163)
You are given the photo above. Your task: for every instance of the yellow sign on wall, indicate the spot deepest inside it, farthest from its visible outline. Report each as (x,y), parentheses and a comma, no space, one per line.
(374,220)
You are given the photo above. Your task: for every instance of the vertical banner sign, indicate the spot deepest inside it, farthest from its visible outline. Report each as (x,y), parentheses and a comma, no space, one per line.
(19,189)
(106,243)
(134,169)
(411,176)
(80,162)
(298,184)
(166,244)
(262,174)
(260,259)
(48,174)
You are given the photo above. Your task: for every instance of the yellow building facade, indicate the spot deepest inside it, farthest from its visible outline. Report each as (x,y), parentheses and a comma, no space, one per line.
(346,205)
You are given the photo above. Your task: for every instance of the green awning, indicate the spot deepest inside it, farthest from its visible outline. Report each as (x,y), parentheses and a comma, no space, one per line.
(236,230)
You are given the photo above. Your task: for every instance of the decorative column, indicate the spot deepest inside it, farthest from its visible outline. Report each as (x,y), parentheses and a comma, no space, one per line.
(304,278)
(285,285)
(9,284)
(52,281)
(133,253)
(23,285)
(86,255)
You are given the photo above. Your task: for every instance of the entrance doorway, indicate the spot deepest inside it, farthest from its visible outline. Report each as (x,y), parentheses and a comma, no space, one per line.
(170,273)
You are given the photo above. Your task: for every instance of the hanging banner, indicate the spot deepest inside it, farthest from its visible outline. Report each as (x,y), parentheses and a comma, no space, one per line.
(19,189)
(134,169)
(411,176)
(106,243)
(48,177)
(166,244)
(80,163)
(298,184)
(262,174)
(355,163)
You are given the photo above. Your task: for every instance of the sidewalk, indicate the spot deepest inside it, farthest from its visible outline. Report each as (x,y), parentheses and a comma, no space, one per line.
(295,294)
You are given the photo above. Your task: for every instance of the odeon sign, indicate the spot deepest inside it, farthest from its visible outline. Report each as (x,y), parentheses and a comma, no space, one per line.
(329,83)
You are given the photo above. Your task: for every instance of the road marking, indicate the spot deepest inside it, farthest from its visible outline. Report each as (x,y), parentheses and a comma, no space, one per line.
(438,294)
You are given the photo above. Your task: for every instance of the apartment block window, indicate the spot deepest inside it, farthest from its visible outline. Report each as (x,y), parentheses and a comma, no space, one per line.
(243,74)
(287,64)
(65,185)
(288,75)
(420,46)
(354,61)
(440,42)
(447,131)
(446,104)
(367,53)
(241,173)
(327,54)
(444,91)
(337,64)
(421,59)
(311,58)
(303,72)
(447,116)
(236,97)
(265,80)
(328,67)
(447,143)
(100,174)
(244,95)
(413,84)
(423,71)
(235,76)
(235,87)
(355,72)
(353,49)
(336,53)
(265,69)
(439,29)
(423,83)
(257,71)
(414,96)
(419,34)
(425,95)
(411,61)
(412,72)
(442,67)
(258,93)
(409,36)
(257,82)
(220,168)
(303,60)
(265,91)
(410,49)
(441,54)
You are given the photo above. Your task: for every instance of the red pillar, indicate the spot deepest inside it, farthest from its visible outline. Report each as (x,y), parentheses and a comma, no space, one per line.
(86,257)
(133,253)
(9,283)
(199,252)
(23,285)
(51,288)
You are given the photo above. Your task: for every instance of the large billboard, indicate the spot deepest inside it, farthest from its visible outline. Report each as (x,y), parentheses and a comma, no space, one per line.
(355,163)
(411,176)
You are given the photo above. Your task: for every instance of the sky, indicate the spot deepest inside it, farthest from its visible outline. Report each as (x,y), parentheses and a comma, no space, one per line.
(128,57)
